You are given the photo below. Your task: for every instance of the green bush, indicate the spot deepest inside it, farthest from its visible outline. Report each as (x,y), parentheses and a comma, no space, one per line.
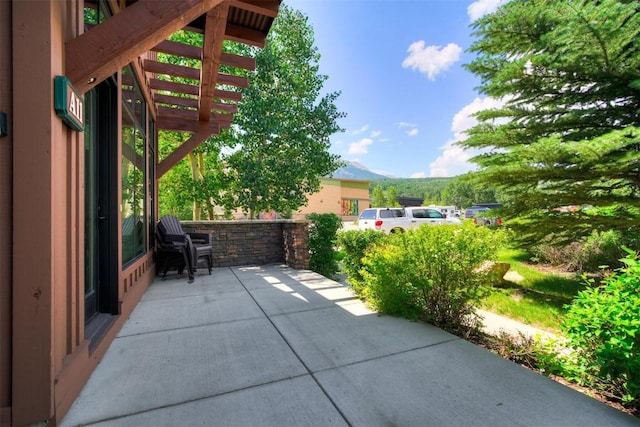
(431,273)
(603,326)
(353,244)
(590,254)
(323,231)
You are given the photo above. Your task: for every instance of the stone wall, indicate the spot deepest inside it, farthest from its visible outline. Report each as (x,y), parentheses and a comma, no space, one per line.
(257,242)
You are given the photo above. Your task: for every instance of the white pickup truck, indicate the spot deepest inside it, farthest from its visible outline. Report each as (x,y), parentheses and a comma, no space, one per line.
(391,220)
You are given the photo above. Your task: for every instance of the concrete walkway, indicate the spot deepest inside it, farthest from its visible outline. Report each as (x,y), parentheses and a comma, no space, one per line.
(272,346)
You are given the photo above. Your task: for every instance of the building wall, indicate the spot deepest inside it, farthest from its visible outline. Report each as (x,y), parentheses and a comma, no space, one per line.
(47,348)
(331,196)
(43,345)
(327,200)
(6,154)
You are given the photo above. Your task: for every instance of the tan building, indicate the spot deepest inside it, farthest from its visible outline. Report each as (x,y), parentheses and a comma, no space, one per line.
(82,99)
(343,197)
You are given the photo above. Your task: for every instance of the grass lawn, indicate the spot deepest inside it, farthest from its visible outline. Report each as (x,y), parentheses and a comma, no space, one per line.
(538,298)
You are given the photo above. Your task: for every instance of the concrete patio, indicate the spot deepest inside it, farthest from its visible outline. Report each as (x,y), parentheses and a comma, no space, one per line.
(273,346)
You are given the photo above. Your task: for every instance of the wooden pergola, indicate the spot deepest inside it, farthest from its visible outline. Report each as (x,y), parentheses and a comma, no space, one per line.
(141,26)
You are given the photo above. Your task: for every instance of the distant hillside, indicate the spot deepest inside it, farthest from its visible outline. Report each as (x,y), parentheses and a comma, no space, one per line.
(354,170)
(429,188)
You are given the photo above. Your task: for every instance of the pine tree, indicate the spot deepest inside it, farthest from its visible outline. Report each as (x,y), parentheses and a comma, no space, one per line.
(568,73)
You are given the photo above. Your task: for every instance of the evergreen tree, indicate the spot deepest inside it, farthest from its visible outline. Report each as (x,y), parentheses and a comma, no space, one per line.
(568,73)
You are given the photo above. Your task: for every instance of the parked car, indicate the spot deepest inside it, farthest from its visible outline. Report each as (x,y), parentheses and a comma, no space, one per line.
(391,220)
(473,212)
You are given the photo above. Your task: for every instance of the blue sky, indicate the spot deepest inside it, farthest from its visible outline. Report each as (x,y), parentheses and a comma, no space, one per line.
(399,67)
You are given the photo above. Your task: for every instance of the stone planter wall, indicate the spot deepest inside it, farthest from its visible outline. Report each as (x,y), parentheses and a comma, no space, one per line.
(256,242)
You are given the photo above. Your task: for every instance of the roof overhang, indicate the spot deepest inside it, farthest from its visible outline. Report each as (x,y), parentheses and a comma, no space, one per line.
(141,26)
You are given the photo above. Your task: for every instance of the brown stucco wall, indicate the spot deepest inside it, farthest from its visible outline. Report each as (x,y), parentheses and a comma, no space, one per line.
(51,358)
(39,140)
(5,215)
(332,192)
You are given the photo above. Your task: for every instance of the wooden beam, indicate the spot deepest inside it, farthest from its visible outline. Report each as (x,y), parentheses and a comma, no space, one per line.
(174,87)
(151,66)
(215,24)
(227,94)
(175,100)
(245,35)
(194,52)
(227,108)
(157,67)
(262,7)
(231,80)
(178,49)
(193,103)
(238,61)
(182,125)
(192,90)
(178,113)
(202,131)
(108,47)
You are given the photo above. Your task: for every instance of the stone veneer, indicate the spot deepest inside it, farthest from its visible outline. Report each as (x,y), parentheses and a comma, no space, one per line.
(256,242)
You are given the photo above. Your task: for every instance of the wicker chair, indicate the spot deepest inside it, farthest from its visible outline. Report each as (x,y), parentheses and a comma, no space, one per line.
(178,249)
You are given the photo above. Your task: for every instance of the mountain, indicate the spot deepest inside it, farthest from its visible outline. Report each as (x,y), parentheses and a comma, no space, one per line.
(354,170)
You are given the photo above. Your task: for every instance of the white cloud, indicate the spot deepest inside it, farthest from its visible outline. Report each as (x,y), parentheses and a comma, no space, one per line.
(464,119)
(363,129)
(375,134)
(480,8)
(431,60)
(411,132)
(418,175)
(406,125)
(454,160)
(360,147)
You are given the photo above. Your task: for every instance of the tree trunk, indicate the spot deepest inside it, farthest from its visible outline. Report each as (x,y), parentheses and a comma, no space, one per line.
(195,175)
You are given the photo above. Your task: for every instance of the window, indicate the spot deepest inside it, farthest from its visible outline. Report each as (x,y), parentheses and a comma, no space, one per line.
(391,213)
(368,214)
(349,207)
(419,213)
(95,12)
(134,204)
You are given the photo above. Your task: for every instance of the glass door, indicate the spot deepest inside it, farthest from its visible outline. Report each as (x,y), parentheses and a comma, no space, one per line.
(101,205)
(91,221)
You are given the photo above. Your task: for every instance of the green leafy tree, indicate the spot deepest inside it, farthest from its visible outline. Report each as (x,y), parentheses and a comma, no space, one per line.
(567,73)
(378,198)
(429,188)
(463,192)
(392,196)
(460,192)
(284,123)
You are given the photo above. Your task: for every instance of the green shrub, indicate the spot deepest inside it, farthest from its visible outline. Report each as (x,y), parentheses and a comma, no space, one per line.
(353,244)
(588,255)
(601,249)
(323,231)
(603,325)
(431,273)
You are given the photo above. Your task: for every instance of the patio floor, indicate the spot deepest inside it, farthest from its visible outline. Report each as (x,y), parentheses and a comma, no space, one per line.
(274,346)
